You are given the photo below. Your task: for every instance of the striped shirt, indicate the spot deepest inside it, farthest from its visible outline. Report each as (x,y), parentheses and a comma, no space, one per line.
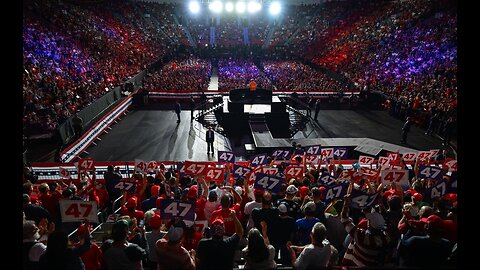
(367,247)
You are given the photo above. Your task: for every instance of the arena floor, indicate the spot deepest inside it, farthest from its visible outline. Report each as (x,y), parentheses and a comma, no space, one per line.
(155,135)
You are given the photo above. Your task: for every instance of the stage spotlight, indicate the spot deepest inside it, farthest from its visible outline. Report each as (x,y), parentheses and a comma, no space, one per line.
(275,8)
(216,6)
(194,7)
(254,7)
(240,7)
(229,7)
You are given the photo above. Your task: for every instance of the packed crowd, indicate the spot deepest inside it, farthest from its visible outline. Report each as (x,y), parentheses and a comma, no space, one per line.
(237,73)
(325,215)
(408,56)
(189,74)
(295,76)
(73,55)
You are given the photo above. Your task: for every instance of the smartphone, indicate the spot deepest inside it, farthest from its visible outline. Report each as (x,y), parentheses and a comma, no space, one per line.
(142,223)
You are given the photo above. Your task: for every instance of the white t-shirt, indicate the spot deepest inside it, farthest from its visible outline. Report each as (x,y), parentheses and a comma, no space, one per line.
(248,211)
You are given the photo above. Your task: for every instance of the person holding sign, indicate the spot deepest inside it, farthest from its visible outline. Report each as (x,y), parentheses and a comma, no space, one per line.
(60,256)
(171,254)
(372,241)
(122,254)
(217,252)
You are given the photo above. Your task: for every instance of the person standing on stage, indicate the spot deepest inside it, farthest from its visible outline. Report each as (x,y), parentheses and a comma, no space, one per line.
(406,129)
(192,106)
(178,109)
(210,136)
(317,108)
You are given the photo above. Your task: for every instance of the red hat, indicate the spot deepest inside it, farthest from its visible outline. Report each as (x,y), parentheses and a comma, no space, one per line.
(451,197)
(154,190)
(192,192)
(417,197)
(258,192)
(155,221)
(82,229)
(387,194)
(132,202)
(434,222)
(304,191)
(322,189)
(363,224)
(218,221)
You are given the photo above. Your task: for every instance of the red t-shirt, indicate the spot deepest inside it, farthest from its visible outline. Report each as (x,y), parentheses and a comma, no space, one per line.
(200,209)
(92,258)
(228,221)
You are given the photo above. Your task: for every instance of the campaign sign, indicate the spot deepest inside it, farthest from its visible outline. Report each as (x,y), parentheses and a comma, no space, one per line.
(365,160)
(170,208)
(451,165)
(258,160)
(452,184)
(424,155)
(393,156)
(362,200)
(434,152)
(151,166)
(269,182)
(327,153)
(430,172)
(340,152)
(337,191)
(240,171)
(399,177)
(181,169)
(282,154)
(438,190)
(409,156)
(78,211)
(64,173)
(140,166)
(125,185)
(269,170)
(196,167)
(86,164)
(294,172)
(224,156)
(313,150)
(326,179)
(384,162)
(214,174)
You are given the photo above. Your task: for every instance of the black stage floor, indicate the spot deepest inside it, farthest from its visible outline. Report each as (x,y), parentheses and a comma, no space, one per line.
(154,135)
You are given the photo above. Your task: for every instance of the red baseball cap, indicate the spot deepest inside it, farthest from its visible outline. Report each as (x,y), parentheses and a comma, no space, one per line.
(192,192)
(417,197)
(155,221)
(304,191)
(132,202)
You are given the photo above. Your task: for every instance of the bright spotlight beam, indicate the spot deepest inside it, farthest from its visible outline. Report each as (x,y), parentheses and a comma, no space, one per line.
(194,7)
(275,8)
(216,6)
(253,7)
(229,7)
(240,7)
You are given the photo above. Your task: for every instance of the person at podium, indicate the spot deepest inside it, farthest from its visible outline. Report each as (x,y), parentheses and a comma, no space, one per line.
(252,85)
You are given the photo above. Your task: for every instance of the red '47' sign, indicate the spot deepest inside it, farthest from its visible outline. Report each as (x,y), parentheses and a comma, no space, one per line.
(395,176)
(294,171)
(214,174)
(74,210)
(85,164)
(365,160)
